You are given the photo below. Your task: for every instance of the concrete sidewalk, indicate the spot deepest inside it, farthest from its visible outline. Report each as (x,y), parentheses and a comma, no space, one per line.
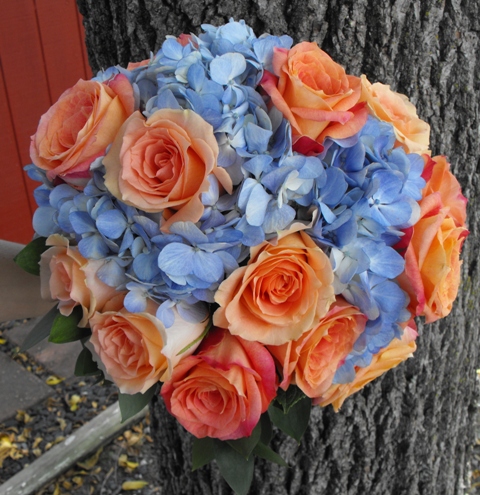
(20,389)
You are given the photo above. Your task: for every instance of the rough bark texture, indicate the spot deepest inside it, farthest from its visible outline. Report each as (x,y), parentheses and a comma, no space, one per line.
(412,431)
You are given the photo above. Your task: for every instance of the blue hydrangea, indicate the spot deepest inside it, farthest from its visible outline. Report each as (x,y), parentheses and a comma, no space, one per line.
(355,199)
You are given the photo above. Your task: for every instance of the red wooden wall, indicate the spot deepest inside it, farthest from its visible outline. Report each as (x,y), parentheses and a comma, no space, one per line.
(42,53)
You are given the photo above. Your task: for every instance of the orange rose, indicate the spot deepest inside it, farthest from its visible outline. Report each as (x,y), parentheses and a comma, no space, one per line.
(314,93)
(312,360)
(432,259)
(443,182)
(67,277)
(221,391)
(136,65)
(79,126)
(163,162)
(282,292)
(129,346)
(396,352)
(412,133)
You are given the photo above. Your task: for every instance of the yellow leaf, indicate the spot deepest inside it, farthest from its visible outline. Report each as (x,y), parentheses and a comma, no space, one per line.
(57,489)
(37,442)
(54,380)
(58,439)
(132,438)
(17,454)
(67,485)
(62,423)
(78,480)
(138,428)
(26,432)
(23,416)
(7,447)
(91,461)
(129,466)
(2,341)
(37,452)
(74,401)
(134,485)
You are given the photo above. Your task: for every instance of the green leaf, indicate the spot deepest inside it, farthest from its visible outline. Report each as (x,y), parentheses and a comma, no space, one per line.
(237,471)
(65,328)
(289,398)
(265,452)
(203,452)
(295,422)
(29,257)
(85,365)
(40,331)
(245,445)
(267,431)
(132,404)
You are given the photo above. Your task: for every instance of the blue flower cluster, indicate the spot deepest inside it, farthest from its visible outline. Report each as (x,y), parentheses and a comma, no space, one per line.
(356,198)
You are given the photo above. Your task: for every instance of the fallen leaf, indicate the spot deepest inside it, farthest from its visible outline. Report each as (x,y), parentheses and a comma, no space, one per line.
(67,485)
(54,380)
(62,423)
(132,438)
(91,461)
(7,446)
(134,485)
(37,442)
(25,435)
(74,401)
(129,466)
(58,439)
(23,416)
(2,341)
(22,356)
(78,480)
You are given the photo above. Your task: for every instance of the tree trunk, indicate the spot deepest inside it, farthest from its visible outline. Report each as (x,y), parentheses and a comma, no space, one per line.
(412,431)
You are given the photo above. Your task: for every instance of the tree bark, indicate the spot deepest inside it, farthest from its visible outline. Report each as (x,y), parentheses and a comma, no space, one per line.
(412,431)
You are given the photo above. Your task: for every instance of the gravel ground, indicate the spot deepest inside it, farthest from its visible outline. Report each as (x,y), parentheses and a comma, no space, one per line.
(129,458)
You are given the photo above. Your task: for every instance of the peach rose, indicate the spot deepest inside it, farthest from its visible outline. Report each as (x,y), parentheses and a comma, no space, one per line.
(412,133)
(221,391)
(314,93)
(282,292)
(432,259)
(443,182)
(79,126)
(129,346)
(311,361)
(396,352)
(136,65)
(184,39)
(67,277)
(164,162)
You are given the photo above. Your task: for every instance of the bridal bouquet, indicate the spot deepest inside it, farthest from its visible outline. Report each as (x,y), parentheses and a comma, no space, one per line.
(248,226)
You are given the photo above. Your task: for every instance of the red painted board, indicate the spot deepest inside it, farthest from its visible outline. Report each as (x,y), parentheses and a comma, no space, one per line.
(24,71)
(15,215)
(62,44)
(87,69)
